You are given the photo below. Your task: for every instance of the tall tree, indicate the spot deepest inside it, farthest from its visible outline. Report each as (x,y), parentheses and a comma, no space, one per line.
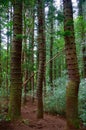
(82,27)
(8,41)
(41,47)
(83,34)
(24,53)
(72,66)
(32,55)
(51,21)
(16,77)
(0,56)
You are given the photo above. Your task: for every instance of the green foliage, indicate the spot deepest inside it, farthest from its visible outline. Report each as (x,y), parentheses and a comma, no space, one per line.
(4,2)
(80,28)
(67,33)
(19,36)
(82,100)
(3,91)
(55,103)
(3,108)
(60,16)
(29,3)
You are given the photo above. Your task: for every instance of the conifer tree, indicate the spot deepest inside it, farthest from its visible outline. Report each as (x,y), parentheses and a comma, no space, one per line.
(16,77)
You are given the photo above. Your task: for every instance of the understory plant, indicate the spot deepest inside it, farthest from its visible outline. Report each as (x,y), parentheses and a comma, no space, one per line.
(55,101)
(82,101)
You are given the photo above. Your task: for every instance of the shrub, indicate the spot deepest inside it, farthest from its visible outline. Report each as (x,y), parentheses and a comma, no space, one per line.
(55,102)
(82,100)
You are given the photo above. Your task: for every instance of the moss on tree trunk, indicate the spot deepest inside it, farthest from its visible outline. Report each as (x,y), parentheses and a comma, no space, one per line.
(72,66)
(16,77)
(72,105)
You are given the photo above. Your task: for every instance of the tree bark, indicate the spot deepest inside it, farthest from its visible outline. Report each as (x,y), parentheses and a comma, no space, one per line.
(41,67)
(72,66)
(83,38)
(16,77)
(32,57)
(51,19)
(0,57)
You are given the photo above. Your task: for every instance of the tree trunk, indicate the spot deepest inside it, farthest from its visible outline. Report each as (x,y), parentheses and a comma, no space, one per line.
(51,15)
(41,67)
(54,70)
(51,55)
(0,57)
(24,55)
(72,66)
(59,67)
(8,40)
(83,38)
(84,60)
(32,53)
(16,77)
(25,86)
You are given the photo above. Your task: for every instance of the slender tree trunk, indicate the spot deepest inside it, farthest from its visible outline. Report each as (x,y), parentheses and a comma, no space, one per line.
(83,42)
(25,86)
(84,60)
(25,74)
(0,57)
(32,58)
(51,53)
(51,62)
(59,67)
(24,54)
(55,69)
(72,66)
(8,39)
(41,47)
(51,21)
(16,77)
(83,38)
(11,27)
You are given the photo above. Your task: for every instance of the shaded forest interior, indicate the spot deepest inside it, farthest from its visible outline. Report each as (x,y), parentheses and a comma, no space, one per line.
(43,64)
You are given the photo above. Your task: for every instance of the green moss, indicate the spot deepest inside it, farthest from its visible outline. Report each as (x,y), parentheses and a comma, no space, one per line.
(74,123)
(72,105)
(14,111)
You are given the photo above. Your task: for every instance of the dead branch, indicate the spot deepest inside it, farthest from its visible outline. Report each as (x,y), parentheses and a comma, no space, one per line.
(56,55)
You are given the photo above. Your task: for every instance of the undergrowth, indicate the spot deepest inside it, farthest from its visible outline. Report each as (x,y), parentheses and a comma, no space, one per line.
(55,101)
(82,101)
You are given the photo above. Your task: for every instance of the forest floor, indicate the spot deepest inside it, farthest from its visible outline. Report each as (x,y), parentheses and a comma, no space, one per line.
(30,122)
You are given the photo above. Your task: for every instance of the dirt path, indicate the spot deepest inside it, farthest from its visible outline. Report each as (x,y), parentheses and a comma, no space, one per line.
(30,122)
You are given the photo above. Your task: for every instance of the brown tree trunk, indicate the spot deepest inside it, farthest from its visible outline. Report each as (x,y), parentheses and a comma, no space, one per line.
(54,71)
(32,53)
(25,86)
(84,60)
(0,57)
(8,41)
(83,42)
(59,67)
(51,55)
(41,67)
(24,56)
(72,66)
(51,15)
(16,77)
(83,38)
